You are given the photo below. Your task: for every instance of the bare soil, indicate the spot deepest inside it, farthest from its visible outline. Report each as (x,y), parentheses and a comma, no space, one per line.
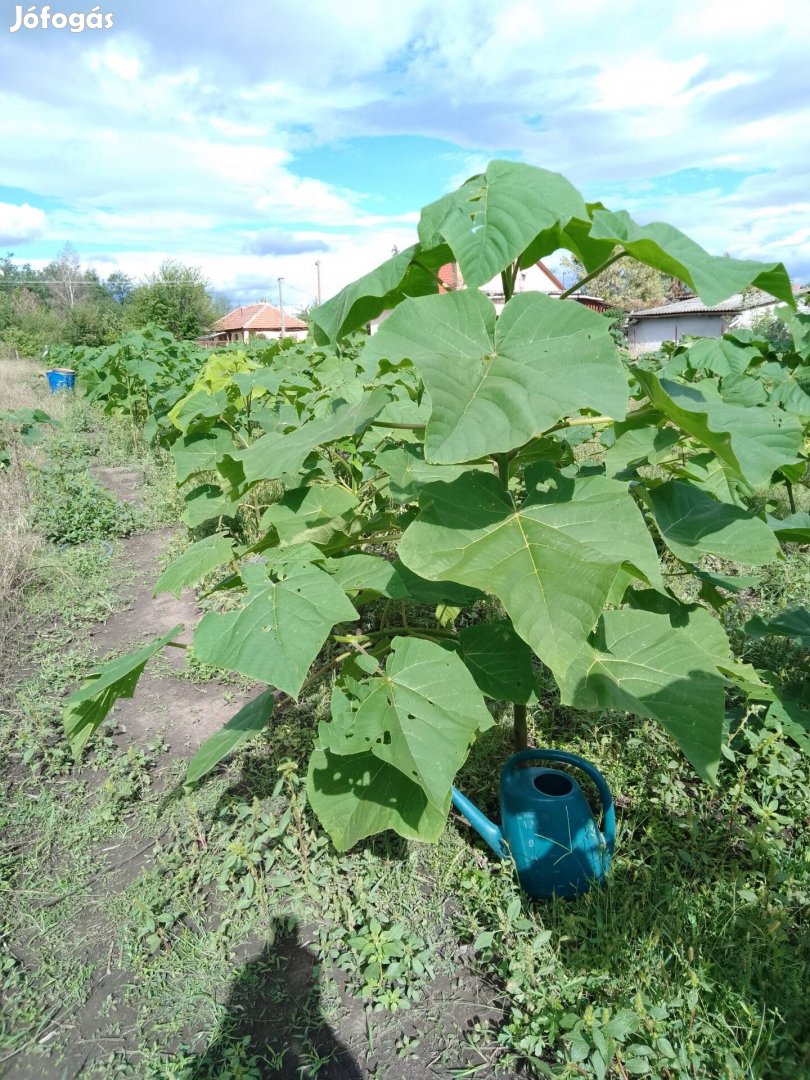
(184,713)
(275,997)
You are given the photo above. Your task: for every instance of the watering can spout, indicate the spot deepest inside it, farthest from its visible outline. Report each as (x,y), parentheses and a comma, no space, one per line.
(486,829)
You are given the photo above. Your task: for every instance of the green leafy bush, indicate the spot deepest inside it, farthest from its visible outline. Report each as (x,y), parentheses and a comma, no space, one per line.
(71,508)
(437,470)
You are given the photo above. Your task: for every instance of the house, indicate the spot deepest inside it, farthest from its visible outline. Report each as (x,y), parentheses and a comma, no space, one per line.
(537,278)
(649,328)
(255,320)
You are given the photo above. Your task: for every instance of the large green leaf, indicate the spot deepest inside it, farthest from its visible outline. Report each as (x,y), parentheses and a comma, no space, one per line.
(375,575)
(200,451)
(493,217)
(713,278)
(495,384)
(249,721)
(409,273)
(752,442)
(551,562)
(200,404)
(409,472)
(694,524)
(358,795)
(644,664)
(313,515)
(205,502)
(499,661)
(89,705)
(792,530)
(281,628)
(636,446)
(707,633)
(792,623)
(793,716)
(195,563)
(420,716)
(721,356)
(279,454)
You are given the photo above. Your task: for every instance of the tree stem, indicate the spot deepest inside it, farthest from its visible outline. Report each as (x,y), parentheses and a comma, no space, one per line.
(400,427)
(520,730)
(594,273)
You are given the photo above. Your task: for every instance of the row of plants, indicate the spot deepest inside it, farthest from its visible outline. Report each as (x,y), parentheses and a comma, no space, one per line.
(411,516)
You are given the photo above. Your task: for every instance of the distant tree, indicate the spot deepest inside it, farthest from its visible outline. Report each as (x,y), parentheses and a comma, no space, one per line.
(626,284)
(176,298)
(93,324)
(221,304)
(120,287)
(67,282)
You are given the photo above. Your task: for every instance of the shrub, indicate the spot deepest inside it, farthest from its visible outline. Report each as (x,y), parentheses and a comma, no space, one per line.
(71,508)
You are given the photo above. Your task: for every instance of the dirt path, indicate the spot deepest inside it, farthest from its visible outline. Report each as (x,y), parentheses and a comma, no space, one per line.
(183,712)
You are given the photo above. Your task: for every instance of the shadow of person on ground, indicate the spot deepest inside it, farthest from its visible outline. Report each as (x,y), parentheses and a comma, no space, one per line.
(273,1025)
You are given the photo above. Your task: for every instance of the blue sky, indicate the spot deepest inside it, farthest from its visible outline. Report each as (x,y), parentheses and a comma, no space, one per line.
(253,139)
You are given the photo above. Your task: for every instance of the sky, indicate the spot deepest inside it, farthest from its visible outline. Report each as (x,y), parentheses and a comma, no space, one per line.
(253,139)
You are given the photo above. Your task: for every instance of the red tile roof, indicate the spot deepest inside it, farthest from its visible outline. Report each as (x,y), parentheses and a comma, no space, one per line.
(257,317)
(450,277)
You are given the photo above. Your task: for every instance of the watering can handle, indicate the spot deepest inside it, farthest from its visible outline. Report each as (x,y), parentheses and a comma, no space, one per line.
(609,823)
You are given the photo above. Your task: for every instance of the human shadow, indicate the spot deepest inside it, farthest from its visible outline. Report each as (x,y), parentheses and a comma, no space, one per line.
(273,1025)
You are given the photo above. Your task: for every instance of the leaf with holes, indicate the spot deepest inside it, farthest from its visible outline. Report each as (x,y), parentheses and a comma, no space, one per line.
(420,716)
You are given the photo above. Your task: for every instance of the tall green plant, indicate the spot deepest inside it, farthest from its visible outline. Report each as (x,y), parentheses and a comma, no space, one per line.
(433,471)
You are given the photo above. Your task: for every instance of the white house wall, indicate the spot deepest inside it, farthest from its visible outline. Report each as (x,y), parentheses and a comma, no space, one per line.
(648,335)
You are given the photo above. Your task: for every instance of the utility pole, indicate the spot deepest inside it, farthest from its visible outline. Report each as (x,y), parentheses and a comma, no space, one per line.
(318,272)
(281,305)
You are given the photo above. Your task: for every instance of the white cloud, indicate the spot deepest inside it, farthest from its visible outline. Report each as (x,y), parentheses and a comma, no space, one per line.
(20,223)
(176,135)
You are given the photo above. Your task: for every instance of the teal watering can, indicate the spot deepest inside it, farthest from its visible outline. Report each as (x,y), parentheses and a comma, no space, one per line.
(548,827)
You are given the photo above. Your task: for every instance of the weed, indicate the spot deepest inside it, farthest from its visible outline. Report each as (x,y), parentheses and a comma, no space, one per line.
(71,508)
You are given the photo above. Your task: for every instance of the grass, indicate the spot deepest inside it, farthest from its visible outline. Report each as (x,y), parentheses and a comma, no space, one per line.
(151,931)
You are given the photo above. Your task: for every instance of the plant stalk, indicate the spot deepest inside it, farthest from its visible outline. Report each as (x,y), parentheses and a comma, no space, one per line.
(520,729)
(594,273)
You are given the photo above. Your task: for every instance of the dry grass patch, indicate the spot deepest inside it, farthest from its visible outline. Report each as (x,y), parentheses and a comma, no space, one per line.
(23,386)
(18,545)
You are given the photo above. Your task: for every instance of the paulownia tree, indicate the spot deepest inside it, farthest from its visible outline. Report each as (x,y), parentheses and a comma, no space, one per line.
(437,535)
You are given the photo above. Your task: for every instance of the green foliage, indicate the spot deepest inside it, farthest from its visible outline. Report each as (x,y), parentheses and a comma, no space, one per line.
(70,508)
(436,504)
(176,299)
(87,707)
(60,303)
(29,425)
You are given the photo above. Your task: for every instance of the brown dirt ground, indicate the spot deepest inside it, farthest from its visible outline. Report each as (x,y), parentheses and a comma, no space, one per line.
(264,997)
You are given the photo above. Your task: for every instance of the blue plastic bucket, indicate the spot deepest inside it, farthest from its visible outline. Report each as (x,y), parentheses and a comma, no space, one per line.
(61,379)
